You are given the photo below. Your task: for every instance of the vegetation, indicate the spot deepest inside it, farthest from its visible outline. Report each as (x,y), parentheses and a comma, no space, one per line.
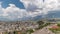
(56,29)
(42,24)
(58,24)
(30,31)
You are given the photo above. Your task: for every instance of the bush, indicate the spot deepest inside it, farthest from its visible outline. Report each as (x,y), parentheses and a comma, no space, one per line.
(41,26)
(40,22)
(30,31)
(58,25)
(53,30)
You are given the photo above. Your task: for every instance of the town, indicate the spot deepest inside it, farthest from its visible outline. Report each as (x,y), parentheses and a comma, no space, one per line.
(24,27)
(16,27)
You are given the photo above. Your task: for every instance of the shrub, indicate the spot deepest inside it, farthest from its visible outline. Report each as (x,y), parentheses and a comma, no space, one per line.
(40,22)
(30,31)
(58,25)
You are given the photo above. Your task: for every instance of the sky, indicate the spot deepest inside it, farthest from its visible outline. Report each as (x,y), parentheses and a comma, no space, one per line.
(16,9)
(6,3)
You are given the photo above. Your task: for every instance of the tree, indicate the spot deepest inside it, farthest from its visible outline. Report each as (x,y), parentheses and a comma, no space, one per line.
(40,22)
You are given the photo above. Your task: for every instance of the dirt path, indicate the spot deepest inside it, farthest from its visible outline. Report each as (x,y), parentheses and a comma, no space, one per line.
(44,30)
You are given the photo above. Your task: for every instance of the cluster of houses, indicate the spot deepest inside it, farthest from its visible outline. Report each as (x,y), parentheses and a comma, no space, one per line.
(16,27)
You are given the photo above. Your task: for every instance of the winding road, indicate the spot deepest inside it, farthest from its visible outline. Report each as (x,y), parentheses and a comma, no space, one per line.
(44,30)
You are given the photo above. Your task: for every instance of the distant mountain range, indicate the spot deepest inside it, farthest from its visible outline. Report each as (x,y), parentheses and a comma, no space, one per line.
(51,14)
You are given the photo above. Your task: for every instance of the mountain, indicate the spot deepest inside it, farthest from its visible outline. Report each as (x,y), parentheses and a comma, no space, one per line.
(37,18)
(53,14)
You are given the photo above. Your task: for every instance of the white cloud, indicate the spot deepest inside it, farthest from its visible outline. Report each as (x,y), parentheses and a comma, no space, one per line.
(46,6)
(35,6)
(13,12)
(33,3)
(32,8)
(20,13)
(51,4)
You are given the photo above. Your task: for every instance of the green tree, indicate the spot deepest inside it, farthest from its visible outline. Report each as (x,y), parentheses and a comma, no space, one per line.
(40,22)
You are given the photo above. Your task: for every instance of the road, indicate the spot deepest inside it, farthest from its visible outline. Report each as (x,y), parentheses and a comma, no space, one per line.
(44,30)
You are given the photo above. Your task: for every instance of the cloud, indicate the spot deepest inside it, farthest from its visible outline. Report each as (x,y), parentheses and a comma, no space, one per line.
(51,4)
(36,2)
(32,8)
(13,12)
(35,7)
(32,3)
(44,7)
